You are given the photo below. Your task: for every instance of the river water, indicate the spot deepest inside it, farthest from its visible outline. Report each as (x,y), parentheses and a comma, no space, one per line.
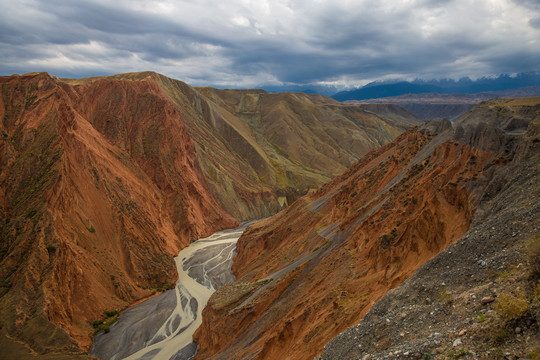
(162,327)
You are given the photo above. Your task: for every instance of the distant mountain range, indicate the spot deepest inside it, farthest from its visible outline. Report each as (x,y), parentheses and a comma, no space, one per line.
(429,106)
(443,86)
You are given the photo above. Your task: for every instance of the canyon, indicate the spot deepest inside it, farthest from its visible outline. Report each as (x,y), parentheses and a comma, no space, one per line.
(104,180)
(163,327)
(317,268)
(367,212)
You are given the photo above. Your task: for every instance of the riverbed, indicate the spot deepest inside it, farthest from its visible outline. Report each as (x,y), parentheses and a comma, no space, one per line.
(162,327)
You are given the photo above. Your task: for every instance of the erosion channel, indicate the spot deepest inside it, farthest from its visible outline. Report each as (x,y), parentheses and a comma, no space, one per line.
(162,327)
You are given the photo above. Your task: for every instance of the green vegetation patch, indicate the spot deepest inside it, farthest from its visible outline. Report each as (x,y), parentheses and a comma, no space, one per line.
(111,316)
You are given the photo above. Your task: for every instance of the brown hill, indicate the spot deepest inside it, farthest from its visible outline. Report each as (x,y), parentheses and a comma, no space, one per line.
(104,180)
(315,269)
(100,189)
(289,141)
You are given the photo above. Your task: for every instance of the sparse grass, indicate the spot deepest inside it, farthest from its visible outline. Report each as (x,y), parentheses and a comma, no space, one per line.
(481,317)
(445,297)
(164,287)
(457,353)
(511,306)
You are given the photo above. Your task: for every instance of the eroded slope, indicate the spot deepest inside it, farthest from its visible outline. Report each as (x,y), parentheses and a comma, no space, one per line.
(104,180)
(92,214)
(310,272)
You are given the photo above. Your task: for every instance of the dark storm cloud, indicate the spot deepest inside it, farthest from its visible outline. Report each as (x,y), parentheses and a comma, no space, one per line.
(535,23)
(255,43)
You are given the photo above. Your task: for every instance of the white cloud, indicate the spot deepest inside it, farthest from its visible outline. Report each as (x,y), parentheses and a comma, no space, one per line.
(255,42)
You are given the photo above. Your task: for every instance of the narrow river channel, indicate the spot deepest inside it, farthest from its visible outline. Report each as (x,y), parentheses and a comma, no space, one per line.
(162,327)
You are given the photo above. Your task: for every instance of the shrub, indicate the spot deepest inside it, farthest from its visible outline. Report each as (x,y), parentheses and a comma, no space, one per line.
(51,249)
(111,316)
(96,323)
(500,336)
(110,313)
(446,297)
(510,306)
(91,229)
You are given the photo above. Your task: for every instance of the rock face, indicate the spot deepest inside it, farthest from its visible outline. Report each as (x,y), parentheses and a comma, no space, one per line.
(104,180)
(313,270)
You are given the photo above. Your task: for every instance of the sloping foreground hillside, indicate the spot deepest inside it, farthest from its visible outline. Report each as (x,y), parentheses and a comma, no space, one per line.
(308,273)
(104,180)
(480,298)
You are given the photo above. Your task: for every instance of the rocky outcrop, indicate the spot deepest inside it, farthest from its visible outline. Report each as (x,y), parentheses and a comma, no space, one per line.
(318,267)
(104,180)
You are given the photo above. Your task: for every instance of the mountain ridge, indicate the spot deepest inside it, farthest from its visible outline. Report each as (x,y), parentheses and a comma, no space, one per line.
(429,106)
(104,180)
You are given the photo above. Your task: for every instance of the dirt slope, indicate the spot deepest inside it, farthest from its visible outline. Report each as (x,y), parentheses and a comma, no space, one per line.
(315,269)
(291,141)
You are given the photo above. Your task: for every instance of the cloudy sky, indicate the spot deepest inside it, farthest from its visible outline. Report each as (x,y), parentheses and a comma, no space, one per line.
(248,43)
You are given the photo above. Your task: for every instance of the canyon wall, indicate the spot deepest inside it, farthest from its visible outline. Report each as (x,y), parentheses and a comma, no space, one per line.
(313,270)
(104,180)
